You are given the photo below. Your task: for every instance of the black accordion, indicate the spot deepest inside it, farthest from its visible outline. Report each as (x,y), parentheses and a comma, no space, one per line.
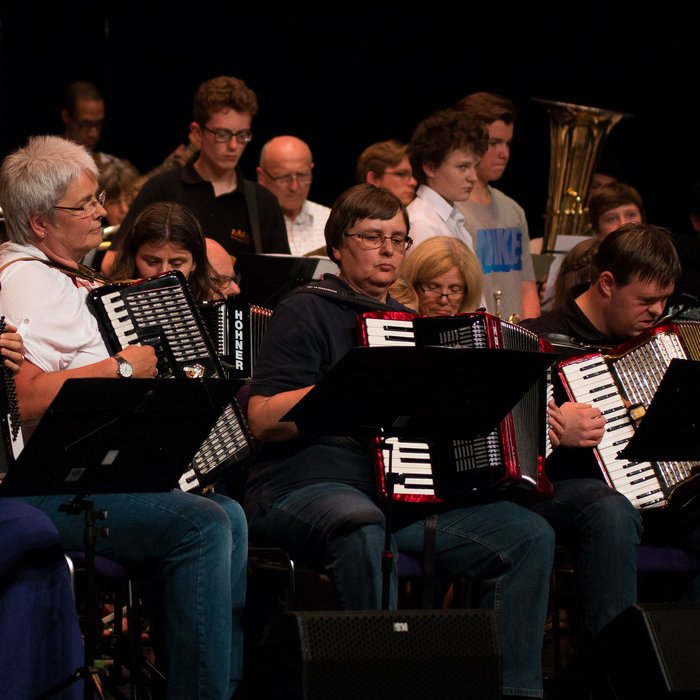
(621,382)
(10,425)
(160,311)
(236,329)
(509,460)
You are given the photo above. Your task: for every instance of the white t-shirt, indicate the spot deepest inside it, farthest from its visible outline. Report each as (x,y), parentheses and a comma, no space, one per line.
(49,310)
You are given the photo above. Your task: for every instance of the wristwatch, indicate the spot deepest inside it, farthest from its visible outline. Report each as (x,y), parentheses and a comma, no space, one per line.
(125,368)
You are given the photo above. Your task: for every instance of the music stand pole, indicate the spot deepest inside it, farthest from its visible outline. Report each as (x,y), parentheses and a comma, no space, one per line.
(88,672)
(387,554)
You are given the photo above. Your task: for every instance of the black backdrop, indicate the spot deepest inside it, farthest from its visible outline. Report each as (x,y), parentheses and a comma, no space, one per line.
(343,76)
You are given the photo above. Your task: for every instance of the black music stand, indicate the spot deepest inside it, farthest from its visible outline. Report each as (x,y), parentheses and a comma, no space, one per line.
(118,436)
(423,393)
(670,429)
(267,278)
(113,436)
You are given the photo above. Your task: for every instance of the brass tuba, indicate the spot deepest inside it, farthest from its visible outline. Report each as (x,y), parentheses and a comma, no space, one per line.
(577,135)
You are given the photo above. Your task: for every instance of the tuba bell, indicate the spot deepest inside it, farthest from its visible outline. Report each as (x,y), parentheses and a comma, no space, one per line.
(577,135)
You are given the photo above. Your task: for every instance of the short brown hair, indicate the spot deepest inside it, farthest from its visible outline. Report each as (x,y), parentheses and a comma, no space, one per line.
(612,196)
(488,106)
(441,133)
(355,204)
(638,250)
(378,157)
(223,92)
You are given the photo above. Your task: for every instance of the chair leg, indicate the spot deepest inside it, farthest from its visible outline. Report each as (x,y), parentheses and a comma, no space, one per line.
(119,656)
(554,612)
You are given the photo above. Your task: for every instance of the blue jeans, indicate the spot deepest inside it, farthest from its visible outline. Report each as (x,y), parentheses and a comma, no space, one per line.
(196,551)
(603,529)
(509,549)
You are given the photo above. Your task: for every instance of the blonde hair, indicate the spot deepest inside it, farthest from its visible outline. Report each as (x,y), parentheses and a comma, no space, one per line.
(433,258)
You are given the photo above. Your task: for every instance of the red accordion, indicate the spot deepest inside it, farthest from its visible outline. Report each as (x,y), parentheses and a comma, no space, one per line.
(622,382)
(509,461)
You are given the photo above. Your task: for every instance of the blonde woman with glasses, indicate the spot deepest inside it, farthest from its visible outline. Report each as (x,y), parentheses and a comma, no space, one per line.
(442,277)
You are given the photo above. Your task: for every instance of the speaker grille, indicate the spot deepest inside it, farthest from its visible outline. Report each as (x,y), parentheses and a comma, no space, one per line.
(412,654)
(648,651)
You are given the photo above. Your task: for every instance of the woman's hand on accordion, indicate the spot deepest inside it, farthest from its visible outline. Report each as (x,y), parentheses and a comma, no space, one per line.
(36,388)
(583,425)
(143,360)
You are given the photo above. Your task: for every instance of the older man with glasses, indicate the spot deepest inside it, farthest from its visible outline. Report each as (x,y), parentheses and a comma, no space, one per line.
(238,213)
(286,168)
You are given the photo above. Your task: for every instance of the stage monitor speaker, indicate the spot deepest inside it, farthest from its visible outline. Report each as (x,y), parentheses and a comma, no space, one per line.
(648,651)
(382,655)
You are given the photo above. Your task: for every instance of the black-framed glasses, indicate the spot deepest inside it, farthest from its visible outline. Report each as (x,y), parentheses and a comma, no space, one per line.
(225,135)
(437,293)
(301,178)
(88,209)
(372,241)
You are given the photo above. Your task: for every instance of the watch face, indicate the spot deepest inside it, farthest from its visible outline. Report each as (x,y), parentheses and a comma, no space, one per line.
(125,369)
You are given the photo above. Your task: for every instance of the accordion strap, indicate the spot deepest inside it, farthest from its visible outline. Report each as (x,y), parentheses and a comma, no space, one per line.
(251,200)
(328,290)
(82,271)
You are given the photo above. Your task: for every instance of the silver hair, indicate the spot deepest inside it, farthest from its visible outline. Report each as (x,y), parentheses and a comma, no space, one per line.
(34,178)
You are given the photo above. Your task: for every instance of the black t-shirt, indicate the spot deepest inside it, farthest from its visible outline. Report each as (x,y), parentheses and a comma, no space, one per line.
(226,218)
(571,334)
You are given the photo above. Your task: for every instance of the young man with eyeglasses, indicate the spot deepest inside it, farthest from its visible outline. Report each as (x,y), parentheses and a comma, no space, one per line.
(238,213)
(317,496)
(386,164)
(286,169)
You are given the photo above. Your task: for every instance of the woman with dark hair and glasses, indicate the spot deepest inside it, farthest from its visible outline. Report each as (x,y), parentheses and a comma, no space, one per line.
(317,496)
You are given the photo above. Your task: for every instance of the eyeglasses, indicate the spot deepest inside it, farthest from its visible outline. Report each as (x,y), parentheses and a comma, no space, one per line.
(226,280)
(88,209)
(87,124)
(437,293)
(225,135)
(372,241)
(401,174)
(301,178)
